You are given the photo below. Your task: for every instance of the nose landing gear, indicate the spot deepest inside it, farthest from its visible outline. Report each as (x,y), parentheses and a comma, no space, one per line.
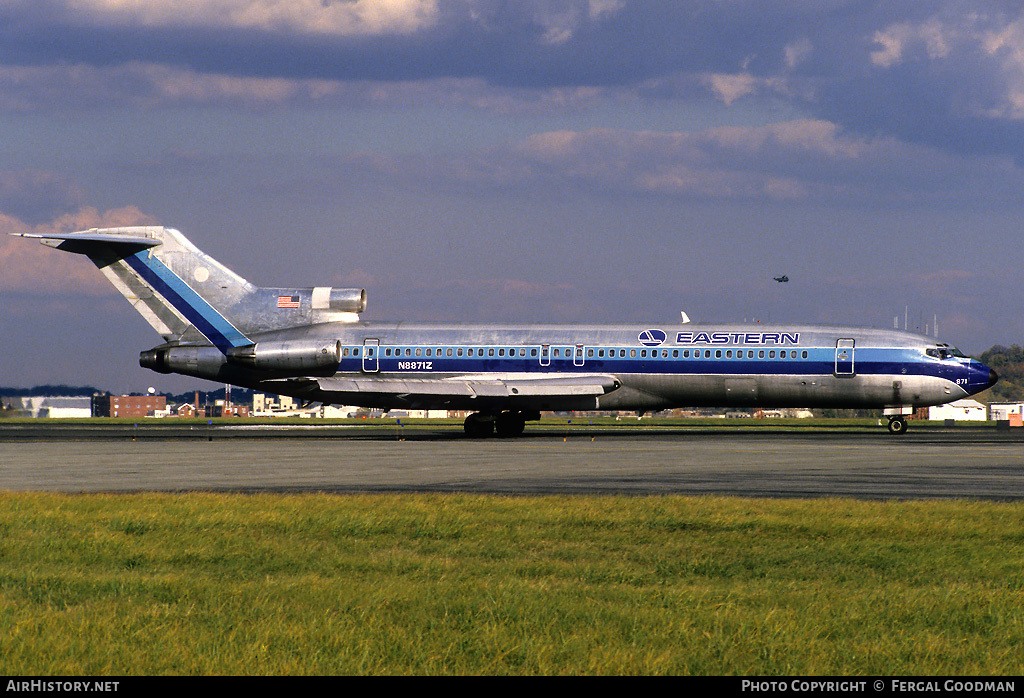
(897,425)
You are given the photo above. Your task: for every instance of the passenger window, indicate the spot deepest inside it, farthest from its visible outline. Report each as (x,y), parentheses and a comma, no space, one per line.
(675,353)
(417,351)
(632,353)
(448,351)
(760,354)
(718,353)
(803,354)
(460,351)
(728,354)
(533,352)
(771,354)
(686,353)
(590,352)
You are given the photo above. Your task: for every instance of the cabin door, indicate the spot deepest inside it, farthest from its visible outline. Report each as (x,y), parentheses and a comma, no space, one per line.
(844,357)
(371,354)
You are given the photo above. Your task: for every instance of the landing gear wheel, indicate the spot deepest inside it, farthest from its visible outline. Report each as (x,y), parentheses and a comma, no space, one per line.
(479,425)
(897,425)
(509,424)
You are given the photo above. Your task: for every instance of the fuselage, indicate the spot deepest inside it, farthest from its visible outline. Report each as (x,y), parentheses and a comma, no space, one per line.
(653,367)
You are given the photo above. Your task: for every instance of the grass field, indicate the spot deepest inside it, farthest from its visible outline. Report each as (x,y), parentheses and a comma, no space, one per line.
(460,584)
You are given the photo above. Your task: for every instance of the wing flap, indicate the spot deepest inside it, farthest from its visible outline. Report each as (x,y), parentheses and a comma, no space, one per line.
(471,387)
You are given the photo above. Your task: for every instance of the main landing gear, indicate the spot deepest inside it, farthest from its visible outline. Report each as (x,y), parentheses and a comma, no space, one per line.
(506,424)
(897,425)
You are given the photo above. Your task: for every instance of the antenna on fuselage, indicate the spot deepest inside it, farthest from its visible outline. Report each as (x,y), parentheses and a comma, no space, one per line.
(685,318)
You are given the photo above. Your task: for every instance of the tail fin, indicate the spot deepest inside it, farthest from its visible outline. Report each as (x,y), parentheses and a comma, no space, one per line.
(187,295)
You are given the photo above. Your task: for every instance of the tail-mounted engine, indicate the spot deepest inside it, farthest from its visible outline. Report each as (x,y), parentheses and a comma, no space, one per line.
(343,300)
(304,357)
(298,357)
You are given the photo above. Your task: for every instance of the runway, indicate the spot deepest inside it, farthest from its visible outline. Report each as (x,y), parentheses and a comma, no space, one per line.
(950,463)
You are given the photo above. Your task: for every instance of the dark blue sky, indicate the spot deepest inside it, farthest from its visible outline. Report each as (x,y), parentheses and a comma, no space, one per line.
(484,160)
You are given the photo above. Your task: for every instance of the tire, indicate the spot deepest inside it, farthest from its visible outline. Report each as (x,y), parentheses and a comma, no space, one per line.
(897,425)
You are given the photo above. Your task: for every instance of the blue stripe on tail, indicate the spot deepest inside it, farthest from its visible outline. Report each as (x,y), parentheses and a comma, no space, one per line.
(186,301)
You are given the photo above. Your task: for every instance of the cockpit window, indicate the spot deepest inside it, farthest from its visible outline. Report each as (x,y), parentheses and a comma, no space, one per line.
(944,351)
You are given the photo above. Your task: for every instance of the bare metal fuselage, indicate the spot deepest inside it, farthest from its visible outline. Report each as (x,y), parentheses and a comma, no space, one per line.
(642,368)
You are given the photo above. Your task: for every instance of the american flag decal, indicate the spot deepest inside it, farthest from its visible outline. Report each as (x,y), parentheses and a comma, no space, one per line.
(287,301)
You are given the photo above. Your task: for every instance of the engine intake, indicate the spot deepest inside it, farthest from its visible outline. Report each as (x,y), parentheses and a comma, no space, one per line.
(347,300)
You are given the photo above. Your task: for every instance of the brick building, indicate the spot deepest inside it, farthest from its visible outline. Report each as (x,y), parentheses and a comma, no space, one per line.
(127,405)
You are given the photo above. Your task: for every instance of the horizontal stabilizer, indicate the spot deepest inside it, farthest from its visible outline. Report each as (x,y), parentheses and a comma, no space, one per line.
(82,240)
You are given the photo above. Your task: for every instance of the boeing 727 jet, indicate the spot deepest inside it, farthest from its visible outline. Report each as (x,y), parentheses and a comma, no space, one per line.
(310,343)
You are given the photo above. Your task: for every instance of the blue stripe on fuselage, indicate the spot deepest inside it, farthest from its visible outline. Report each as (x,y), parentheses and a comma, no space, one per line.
(214,326)
(821,361)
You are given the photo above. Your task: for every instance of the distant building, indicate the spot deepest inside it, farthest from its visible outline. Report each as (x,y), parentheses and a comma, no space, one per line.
(187,409)
(52,407)
(276,406)
(338,412)
(959,410)
(131,406)
(787,413)
(418,414)
(1013,412)
(221,409)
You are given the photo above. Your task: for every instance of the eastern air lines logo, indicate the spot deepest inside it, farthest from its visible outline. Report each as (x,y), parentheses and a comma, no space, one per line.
(651,338)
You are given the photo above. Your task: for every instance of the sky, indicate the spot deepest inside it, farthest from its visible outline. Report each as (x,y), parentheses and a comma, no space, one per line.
(566,161)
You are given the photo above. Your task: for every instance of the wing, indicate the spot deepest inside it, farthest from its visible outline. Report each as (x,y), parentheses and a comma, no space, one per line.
(459,392)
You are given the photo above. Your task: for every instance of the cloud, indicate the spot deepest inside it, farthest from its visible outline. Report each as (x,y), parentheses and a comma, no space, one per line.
(331,17)
(948,75)
(35,196)
(29,267)
(150,85)
(935,37)
(805,159)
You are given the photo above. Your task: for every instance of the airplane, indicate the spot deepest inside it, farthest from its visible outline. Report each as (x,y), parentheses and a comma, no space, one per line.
(309,343)
(781,279)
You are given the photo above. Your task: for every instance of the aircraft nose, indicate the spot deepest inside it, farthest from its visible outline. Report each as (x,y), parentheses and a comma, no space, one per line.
(979,377)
